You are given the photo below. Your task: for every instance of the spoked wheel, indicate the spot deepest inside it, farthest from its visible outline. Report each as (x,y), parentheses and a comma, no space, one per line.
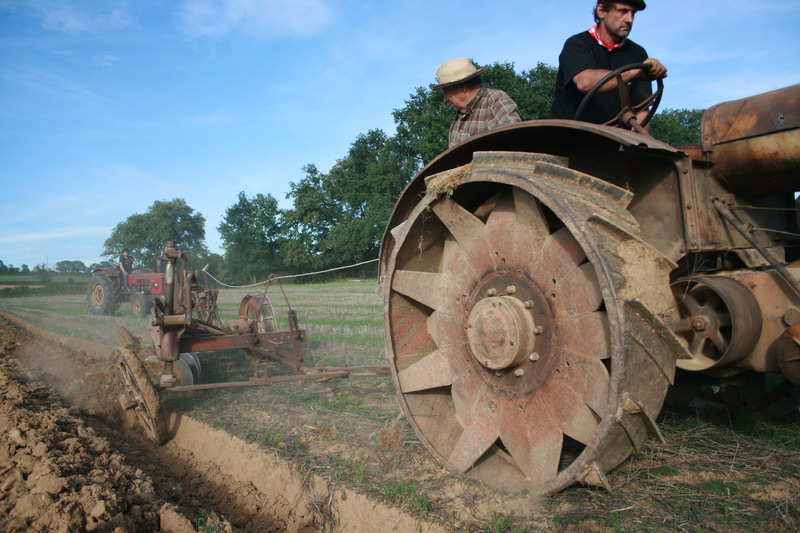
(257,308)
(719,320)
(141,395)
(523,319)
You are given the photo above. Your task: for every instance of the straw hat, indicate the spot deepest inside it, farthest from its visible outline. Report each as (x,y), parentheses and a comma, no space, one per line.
(454,72)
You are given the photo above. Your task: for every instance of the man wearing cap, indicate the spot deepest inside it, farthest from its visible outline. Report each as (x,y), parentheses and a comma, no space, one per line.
(478,108)
(590,55)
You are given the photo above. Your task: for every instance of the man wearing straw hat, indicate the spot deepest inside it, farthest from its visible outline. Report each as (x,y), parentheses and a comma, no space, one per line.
(478,108)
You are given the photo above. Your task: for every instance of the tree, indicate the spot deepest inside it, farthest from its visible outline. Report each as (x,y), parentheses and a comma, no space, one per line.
(24,269)
(3,268)
(339,217)
(252,237)
(70,267)
(677,126)
(145,234)
(45,276)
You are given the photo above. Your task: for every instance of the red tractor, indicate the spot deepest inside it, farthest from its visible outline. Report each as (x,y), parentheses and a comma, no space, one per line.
(105,292)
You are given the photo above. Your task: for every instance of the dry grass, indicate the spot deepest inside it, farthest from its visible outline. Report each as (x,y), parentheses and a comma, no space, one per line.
(716,473)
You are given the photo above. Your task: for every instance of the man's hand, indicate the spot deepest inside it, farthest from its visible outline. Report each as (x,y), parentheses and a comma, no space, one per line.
(657,70)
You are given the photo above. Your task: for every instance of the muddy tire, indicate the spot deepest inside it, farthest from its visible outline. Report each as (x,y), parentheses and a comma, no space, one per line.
(141,304)
(525,323)
(103,295)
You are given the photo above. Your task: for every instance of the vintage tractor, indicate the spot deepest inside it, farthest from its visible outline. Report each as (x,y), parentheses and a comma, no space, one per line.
(105,292)
(543,281)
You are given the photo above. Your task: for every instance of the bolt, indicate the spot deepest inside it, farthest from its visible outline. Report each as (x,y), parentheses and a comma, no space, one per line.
(538,330)
(511,289)
(519,372)
(534,356)
(529,304)
(701,323)
(491,292)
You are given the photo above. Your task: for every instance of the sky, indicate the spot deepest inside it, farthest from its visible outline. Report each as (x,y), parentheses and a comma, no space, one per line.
(107,106)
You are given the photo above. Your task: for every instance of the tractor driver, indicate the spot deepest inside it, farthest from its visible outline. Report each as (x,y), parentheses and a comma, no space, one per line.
(126,265)
(588,56)
(478,108)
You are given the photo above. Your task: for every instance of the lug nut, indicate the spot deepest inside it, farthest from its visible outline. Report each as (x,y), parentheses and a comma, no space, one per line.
(511,289)
(519,372)
(534,356)
(491,292)
(499,373)
(529,304)
(538,330)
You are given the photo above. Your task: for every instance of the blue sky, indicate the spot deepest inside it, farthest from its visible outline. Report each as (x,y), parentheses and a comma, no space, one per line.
(107,106)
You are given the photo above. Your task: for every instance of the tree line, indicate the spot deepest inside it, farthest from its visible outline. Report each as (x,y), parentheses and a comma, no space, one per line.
(338,217)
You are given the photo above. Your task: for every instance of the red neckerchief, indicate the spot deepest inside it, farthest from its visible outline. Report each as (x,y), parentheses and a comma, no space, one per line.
(608,46)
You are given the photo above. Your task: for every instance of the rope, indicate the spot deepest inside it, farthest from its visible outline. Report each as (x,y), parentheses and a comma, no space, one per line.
(276,278)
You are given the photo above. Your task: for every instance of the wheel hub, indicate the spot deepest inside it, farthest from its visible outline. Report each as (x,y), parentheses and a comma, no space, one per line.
(500,332)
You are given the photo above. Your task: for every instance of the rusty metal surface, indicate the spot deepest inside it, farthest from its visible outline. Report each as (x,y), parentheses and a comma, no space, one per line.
(472,275)
(718,318)
(754,142)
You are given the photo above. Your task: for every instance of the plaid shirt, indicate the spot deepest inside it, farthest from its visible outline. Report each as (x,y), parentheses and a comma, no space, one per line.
(491,108)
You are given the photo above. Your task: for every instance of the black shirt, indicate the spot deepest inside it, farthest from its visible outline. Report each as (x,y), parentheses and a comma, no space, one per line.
(127,263)
(582,52)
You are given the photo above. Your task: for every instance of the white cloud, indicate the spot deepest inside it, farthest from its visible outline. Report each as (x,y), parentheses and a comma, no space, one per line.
(56,234)
(263,18)
(77,16)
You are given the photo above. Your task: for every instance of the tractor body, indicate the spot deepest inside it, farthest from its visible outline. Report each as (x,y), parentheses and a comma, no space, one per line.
(547,282)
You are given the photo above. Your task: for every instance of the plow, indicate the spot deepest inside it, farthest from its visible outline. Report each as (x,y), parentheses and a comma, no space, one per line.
(185,322)
(547,285)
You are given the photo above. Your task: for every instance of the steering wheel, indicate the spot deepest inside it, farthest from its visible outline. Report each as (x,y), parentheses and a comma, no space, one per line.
(626,118)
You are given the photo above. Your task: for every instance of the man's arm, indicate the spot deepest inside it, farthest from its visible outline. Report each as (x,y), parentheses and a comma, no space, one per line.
(588,78)
(505,110)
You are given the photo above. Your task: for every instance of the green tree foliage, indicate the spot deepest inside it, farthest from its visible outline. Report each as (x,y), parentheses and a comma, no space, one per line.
(339,217)
(677,126)
(24,269)
(3,268)
(71,267)
(44,275)
(252,236)
(145,234)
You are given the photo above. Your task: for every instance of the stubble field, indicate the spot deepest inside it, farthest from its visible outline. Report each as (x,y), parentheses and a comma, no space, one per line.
(718,470)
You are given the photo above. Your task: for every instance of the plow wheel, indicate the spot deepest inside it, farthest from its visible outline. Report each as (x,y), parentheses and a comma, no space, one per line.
(524,323)
(141,396)
(257,309)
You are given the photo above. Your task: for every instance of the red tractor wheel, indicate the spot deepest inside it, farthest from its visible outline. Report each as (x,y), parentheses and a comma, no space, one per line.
(524,319)
(103,295)
(141,304)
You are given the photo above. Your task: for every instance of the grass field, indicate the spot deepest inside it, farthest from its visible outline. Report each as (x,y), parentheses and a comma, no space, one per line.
(720,471)
(33,279)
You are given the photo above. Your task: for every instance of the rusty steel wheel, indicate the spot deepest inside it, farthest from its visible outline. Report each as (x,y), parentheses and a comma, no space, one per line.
(257,309)
(523,323)
(141,395)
